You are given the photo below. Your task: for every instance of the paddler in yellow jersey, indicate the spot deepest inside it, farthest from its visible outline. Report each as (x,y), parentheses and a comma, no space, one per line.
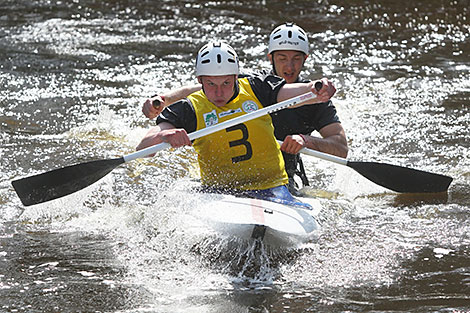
(245,157)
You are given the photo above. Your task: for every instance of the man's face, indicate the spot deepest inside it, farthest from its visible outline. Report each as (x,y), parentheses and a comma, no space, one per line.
(218,89)
(288,64)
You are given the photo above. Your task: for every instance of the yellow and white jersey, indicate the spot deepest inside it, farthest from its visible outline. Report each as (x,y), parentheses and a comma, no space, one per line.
(245,156)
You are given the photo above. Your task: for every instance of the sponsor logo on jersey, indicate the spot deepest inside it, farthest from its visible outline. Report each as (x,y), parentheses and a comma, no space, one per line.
(211,118)
(249,106)
(229,112)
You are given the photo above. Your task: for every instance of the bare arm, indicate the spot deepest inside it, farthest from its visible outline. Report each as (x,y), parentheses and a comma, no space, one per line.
(166,99)
(292,90)
(165,132)
(333,141)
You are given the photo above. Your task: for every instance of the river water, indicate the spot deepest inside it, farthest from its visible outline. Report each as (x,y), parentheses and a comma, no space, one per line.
(73,76)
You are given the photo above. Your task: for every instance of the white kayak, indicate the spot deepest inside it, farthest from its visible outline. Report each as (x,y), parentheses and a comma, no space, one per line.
(277,224)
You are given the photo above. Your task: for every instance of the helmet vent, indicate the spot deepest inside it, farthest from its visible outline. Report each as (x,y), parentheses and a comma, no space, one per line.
(301,38)
(276,37)
(289,34)
(217,59)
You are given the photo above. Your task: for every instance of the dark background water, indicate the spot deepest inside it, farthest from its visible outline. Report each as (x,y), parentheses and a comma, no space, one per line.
(73,76)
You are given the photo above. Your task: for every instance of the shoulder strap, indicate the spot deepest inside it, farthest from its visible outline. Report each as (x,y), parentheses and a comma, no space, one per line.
(301,171)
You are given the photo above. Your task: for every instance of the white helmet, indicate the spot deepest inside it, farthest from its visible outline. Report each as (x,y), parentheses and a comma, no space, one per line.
(288,36)
(216,59)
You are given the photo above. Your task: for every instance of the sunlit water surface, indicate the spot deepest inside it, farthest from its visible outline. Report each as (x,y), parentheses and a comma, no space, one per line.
(74,75)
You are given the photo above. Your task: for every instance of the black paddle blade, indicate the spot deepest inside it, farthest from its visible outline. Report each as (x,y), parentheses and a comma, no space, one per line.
(401,179)
(63,181)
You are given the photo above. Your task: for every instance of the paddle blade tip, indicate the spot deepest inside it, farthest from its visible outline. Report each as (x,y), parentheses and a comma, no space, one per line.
(23,193)
(63,181)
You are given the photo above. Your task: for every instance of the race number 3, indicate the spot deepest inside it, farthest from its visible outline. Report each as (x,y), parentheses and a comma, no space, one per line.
(241,142)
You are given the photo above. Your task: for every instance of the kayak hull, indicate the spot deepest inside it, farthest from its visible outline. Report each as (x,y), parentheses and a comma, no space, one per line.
(277,224)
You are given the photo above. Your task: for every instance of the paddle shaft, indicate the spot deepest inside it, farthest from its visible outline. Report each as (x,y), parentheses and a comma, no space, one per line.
(323,156)
(232,122)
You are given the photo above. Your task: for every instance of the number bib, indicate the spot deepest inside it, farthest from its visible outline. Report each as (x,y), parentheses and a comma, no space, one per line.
(245,156)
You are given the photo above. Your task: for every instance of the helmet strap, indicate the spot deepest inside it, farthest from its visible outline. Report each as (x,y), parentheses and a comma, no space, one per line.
(272,63)
(274,68)
(236,89)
